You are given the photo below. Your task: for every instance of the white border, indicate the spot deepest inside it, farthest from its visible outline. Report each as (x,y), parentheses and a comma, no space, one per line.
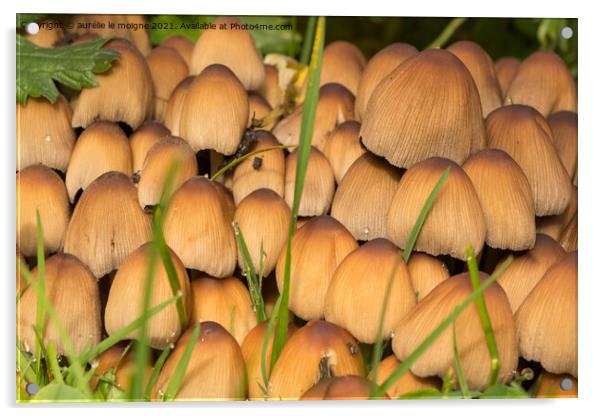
(590,94)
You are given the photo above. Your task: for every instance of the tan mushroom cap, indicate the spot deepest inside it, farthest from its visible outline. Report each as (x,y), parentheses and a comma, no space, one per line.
(343,147)
(342,63)
(340,388)
(318,350)
(524,134)
(167,70)
(145,137)
(456,207)
(472,346)
(505,70)
(233,46)
(564,136)
(546,322)
(428,106)
(407,383)
(183,45)
(426,272)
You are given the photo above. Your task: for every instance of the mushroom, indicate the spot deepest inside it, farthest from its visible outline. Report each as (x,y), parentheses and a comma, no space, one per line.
(126,297)
(263,219)
(229,43)
(471,344)
(505,70)
(317,250)
(456,207)
(44,133)
(528,268)
(342,63)
(183,45)
(340,388)
(103,233)
(259,109)
(124,93)
(102,147)
(40,189)
(215,371)
(564,137)
(196,235)
(265,170)
(364,195)
(481,68)
(270,88)
(378,67)
(428,106)
(407,383)
(524,134)
(215,111)
(167,70)
(318,188)
(145,137)
(426,272)
(122,363)
(113,26)
(316,351)
(343,147)
(73,293)
(552,386)
(357,290)
(546,322)
(568,238)
(335,106)
(252,348)
(554,225)
(169,153)
(505,197)
(543,82)
(173,108)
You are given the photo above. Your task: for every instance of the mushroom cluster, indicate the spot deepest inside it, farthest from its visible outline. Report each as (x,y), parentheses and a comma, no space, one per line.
(94,165)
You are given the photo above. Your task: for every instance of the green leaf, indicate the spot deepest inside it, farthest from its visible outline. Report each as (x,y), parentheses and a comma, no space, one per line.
(56,392)
(458,365)
(155,373)
(178,376)
(501,391)
(73,66)
(421,394)
(308,119)
(40,307)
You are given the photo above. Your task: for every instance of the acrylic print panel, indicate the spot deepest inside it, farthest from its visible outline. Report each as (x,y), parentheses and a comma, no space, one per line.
(295,208)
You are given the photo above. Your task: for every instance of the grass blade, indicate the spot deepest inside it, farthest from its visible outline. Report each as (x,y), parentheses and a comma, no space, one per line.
(377,350)
(264,347)
(473,269)
(155,373)
(458,365)
(307,127)
(53,363)
(253,279)
(244,157)
(428,341)
(307,40)
(423,214)
(178,376)
(447,33)
(40,309)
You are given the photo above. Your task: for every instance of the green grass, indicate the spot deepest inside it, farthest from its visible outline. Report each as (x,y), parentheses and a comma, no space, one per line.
(303,150)
(244,157)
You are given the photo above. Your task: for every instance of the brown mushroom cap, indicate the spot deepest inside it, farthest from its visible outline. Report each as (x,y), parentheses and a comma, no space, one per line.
(471,343)
(230,45)
(456,208)
(505,197)
(167,70)
(527,269)
(481,68)
(317,249)
(215,111)
(126,297)
(145,137)
(102,233)
(183,45)
(544,82)
(318,350)
(362,200)
(102,147)
(564,136)
(556,386)
(216,370)
(342,63)
(357,291)
(546,322)
(73,292)
(428,106)
(343,147)
(196,235)
(505,70)
(124,93)
(270,89)
(340,388)
(40,189)
(44,133)
(407,383)
(378,67)
(426,273)
(173,108)
(554,225)
(524,134)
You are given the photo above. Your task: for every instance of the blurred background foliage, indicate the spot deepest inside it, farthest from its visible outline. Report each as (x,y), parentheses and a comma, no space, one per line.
(500,37)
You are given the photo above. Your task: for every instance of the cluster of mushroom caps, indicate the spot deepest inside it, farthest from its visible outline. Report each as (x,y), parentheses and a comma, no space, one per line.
(385,131)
